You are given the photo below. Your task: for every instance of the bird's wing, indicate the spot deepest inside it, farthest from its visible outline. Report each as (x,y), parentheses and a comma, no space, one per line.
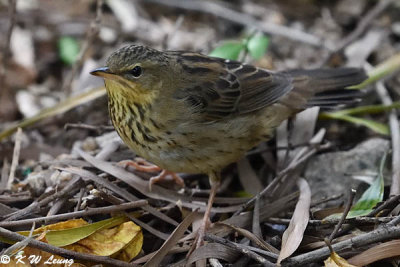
(230,87)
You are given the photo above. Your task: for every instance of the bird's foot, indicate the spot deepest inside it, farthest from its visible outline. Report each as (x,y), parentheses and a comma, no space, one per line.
(163,175)
(142,165)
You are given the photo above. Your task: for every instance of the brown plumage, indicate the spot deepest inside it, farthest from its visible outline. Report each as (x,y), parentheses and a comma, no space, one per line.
(188,112)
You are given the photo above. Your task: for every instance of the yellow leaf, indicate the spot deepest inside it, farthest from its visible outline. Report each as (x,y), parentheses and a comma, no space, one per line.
(335,260)
(107,242)
(133,248)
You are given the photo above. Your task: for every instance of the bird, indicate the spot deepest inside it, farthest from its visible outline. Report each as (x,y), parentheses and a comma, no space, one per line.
(186,112)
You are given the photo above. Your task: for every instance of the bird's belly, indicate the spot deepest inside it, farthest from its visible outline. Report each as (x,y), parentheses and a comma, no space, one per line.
(196,148)
(202,150)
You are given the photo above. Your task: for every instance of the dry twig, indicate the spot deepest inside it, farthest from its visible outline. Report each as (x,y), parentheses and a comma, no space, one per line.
(81,213)
(360,29)
(381,234)
(70,189)
(15,159)
(344,214)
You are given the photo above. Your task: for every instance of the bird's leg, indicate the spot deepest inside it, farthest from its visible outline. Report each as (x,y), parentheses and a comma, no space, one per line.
(214,181)
(144,166)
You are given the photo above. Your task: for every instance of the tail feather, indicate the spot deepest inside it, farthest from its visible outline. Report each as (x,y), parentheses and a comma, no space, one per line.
(320,80)
(326,87)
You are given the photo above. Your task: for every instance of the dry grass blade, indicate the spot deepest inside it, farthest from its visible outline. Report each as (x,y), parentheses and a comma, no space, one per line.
(252,237)
(171,241)
(244,219)
(243,249)
(382,251)
(60,108)
(213,250)
(293,236)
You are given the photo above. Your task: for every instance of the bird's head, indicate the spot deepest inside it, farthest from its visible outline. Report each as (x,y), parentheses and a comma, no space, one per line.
(135,71)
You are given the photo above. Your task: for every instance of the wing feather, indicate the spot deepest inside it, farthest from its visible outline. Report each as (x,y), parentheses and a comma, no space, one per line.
(235,89)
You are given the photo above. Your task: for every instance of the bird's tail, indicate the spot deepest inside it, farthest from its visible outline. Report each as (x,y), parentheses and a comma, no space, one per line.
(326,87)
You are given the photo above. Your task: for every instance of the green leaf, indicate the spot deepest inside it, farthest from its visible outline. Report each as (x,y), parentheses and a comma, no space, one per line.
(64,237)
(257,45)
(369,109)
(373,125)
(372,196)
(382,70)
(68,49)
(228,50)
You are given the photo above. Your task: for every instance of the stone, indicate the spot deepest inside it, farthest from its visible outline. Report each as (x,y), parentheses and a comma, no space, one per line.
(331,173)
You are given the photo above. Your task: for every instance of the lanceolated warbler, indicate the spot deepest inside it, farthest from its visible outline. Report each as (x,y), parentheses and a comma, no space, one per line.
(187,112)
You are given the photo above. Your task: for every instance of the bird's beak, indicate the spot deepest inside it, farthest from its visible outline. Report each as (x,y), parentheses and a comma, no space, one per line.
(102,72)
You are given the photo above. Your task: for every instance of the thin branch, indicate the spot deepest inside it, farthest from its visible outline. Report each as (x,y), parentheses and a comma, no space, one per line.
(391,202)
(364,23)
(15,158)
(91,35)
(81,213)
(68,254)
(69,190)
(256,219)
(381,234)
(344,214)
(395,221)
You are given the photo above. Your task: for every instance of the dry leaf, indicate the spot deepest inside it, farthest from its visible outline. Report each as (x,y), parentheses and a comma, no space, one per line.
(115,237)
(123,242)
(292,237)
(335,260)
(382,251)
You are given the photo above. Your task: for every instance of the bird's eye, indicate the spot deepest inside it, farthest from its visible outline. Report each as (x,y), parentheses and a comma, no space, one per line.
(136,71)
